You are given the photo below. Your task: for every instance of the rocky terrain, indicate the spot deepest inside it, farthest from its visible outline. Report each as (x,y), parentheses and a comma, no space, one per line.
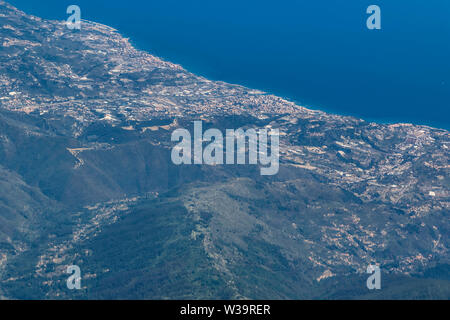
(86,179)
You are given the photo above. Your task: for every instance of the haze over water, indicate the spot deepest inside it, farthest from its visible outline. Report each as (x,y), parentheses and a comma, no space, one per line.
(318,53)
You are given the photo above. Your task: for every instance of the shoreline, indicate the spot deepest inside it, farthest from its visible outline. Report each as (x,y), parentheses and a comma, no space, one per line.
(383,121)
(314,107)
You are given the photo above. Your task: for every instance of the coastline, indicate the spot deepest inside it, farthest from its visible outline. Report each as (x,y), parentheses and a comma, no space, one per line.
(144,47)
(385,121)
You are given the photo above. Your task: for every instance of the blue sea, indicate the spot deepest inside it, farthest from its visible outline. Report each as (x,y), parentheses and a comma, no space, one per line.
(318,53)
